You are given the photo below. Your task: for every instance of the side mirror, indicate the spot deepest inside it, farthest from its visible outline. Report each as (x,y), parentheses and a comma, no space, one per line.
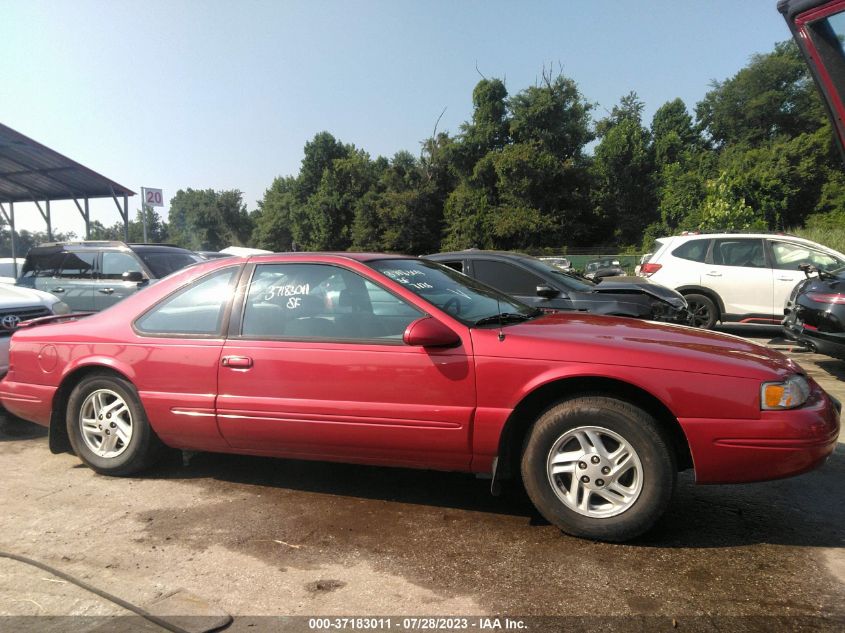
(428,332)
(133,275)
(547,292)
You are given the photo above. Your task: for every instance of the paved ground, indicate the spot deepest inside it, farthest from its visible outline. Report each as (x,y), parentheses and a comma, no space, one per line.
(269,537)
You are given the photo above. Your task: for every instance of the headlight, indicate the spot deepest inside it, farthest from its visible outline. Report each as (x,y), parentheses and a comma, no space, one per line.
(791,393)
(60,307)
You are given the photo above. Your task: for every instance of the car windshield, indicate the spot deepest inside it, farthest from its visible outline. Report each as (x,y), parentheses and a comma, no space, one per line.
(162,263)
(466,299)
(571,282)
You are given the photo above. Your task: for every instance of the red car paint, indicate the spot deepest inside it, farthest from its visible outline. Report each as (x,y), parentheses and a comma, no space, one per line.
(406,405)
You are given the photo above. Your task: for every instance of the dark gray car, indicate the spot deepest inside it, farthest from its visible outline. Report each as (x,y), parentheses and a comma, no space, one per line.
(93,275)
(547,287)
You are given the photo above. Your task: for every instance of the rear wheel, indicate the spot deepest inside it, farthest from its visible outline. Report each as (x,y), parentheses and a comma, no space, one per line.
(108,427)
(598,468)
(704,311)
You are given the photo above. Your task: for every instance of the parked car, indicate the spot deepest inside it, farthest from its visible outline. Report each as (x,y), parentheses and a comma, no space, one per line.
(602,268)
(561,262)
(735,278)
(644,259)
(18,305)
(814,314)
(93,275)
(538,284)
(212,254)
(415,364)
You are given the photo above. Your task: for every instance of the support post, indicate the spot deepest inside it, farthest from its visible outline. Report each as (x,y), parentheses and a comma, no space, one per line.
(46,216)
(8,220)
(14,248)
(126,220)
(87,220)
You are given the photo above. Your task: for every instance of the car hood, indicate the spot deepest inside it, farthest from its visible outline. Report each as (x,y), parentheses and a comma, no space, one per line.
(638,285)
(19,297)
(594,339)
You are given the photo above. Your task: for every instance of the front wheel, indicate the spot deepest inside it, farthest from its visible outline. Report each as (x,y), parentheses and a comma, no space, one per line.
(599,468)
(704,312)
(108,427)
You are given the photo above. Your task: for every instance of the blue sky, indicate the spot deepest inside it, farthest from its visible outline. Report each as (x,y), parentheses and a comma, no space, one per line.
(225,94)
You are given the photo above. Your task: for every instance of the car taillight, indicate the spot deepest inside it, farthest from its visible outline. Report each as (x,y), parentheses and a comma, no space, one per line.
(823,297)
(647,270)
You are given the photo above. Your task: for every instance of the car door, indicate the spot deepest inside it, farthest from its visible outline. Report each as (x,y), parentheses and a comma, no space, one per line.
(818,27)
(787,257)
(109,287)
(315,366)
(738,271)
(177,352)
(510,279)
(73,280)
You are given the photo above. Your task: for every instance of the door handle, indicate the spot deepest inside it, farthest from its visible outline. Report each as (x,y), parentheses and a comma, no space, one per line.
(57,289)
(106,291)
(237,362)
(713,273)
(785,279)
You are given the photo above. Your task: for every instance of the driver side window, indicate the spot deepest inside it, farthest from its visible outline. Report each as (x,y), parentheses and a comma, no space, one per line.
(322,302)
(789,256)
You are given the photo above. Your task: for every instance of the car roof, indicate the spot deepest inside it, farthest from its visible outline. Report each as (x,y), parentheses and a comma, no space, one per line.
(360,257)
(474,252)
(670,241)
(160,248)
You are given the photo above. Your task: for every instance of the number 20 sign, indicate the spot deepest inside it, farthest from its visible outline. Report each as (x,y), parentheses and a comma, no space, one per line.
(153,197)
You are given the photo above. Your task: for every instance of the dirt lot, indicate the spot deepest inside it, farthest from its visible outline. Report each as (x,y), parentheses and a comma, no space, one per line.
(258,537)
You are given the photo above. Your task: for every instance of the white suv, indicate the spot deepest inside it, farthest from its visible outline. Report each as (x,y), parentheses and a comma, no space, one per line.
(735,278)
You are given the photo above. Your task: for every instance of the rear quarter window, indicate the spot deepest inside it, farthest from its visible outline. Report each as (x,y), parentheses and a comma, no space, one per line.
(694,250)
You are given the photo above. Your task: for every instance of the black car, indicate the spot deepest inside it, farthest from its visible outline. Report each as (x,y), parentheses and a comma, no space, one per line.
(92,275)
(815,312)
(549,288)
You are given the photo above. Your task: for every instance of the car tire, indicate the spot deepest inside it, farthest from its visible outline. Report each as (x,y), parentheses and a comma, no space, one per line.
(108,428)
(704,312)
(631,474)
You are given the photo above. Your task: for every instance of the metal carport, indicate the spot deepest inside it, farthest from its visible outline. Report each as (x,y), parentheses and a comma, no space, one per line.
(32,172)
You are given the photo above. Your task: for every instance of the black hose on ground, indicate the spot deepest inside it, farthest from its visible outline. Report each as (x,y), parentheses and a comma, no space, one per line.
(99,592)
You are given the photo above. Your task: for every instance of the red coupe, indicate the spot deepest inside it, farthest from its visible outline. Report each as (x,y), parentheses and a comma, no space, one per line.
(392,360)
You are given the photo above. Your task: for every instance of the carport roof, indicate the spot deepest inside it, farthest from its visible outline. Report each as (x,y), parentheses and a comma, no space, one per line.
(30,171)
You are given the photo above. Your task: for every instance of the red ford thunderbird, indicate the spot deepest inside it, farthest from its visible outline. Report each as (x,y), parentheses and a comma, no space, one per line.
(392,360)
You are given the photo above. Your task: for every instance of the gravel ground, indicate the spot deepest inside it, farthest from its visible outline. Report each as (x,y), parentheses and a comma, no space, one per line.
(263,537)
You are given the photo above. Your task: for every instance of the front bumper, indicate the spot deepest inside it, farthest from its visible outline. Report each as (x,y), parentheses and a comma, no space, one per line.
(778,444)
(669,314)
(827,343)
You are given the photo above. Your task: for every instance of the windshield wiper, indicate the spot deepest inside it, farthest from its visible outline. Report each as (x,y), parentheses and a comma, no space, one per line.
(507,317)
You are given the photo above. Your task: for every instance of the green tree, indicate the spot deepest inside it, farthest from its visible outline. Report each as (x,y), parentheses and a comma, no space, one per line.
(325,222)
(208,219)
(319,156)
(773,96)
(553,116)
(673,133)
(623,171)
(725,209)
(272,219)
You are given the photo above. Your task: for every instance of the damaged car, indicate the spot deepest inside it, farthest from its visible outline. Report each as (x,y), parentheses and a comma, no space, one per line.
(549,288)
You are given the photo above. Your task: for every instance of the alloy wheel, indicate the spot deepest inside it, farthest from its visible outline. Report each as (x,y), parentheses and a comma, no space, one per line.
(595,472)
(106,423)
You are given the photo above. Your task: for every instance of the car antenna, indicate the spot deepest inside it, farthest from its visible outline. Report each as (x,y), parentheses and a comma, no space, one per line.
(499,310)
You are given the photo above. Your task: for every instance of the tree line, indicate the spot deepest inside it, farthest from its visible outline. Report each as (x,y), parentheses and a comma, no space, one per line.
(538,170)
